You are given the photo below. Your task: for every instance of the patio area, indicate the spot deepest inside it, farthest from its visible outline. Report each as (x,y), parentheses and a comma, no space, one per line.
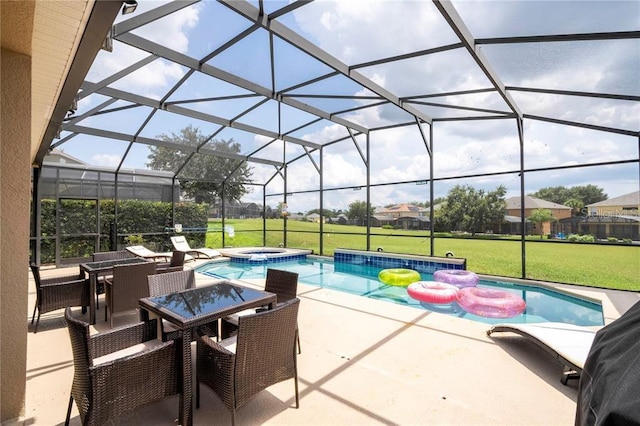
(363,361)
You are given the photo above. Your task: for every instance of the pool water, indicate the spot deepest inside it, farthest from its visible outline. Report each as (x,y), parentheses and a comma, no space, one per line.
(543,304)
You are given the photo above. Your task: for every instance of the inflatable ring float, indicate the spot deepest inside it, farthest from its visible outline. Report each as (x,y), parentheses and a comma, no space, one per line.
(399,277)
(458,277)
(490,303)
(432,292)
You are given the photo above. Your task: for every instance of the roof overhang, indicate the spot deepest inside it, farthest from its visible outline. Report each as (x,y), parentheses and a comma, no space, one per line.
(63,51)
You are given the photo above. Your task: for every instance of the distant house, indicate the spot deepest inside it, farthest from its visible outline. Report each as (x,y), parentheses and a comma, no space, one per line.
(404,216)
(402,210)
(413,222)
(57,156)
(616,217)
(236,210)
(624,205)
(313,217)
(531,204)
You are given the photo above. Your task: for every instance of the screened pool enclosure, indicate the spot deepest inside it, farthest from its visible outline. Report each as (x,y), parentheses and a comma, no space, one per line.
(320,106)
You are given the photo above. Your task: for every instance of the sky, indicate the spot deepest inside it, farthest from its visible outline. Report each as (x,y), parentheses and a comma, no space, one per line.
(356,32)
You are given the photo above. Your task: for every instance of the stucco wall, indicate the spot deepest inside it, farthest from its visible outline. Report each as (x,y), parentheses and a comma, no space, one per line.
(15,172)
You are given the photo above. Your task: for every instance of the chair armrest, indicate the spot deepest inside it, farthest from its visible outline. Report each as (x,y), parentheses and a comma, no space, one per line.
(122,337)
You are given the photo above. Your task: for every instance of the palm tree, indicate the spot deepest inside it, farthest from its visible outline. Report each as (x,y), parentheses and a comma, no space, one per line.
(540,216)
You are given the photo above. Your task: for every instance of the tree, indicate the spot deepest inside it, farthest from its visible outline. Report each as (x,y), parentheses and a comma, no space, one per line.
(358,211)
(586,194)
(436,201)
(540,216)
(204,177)
(576,206)
(471,210)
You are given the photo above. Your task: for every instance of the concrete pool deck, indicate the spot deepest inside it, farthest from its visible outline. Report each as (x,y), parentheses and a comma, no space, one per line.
(363,362)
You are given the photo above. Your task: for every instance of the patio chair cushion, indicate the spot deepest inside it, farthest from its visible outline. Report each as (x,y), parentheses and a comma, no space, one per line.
(131,350)
(233,318)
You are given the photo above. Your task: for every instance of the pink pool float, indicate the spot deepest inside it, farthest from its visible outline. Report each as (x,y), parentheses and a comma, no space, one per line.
(432,292)
(490,303)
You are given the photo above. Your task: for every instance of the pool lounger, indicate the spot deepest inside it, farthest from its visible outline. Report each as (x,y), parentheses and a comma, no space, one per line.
(567,343)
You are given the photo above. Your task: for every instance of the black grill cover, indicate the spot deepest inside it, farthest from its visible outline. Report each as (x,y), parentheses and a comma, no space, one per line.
(609,388)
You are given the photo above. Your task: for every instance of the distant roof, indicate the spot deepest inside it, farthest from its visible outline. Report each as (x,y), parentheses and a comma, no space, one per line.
(60,157)
(630,199)
(414,218)
(514,219)
(533,203)
(404,207)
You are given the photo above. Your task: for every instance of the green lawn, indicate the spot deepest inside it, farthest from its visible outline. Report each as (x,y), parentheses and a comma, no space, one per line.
(596,265)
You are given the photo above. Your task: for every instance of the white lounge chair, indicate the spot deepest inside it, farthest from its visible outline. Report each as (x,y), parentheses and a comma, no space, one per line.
(142,251)
(567,343)
(180,243)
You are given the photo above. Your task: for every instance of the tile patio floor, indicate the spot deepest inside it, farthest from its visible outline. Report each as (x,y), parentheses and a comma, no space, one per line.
(363,362)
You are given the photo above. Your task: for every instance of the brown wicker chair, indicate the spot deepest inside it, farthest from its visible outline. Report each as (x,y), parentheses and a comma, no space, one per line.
(261,354)
(128,285)
(59,292)
(171,282)
(176,264)
(100,257)
(166,283)
(283,283)
(118,371)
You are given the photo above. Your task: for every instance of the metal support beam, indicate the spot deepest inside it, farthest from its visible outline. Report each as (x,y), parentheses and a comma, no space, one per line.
(457,25)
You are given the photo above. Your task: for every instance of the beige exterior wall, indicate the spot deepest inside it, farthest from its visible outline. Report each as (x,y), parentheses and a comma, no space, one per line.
(15,194)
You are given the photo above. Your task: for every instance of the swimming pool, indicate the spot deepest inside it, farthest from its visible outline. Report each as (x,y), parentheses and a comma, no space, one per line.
(543,304)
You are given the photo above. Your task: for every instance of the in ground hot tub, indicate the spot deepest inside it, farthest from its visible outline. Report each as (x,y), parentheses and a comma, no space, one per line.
(254,255)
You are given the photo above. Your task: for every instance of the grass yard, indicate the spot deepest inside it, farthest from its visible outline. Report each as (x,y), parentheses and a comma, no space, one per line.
(595,265)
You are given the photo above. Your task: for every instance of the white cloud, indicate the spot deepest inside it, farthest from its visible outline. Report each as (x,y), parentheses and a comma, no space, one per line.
(106,160)
(152,80)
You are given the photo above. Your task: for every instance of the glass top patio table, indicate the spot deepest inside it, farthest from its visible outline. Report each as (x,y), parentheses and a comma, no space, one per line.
(191,308)
(105,265)
(197,306)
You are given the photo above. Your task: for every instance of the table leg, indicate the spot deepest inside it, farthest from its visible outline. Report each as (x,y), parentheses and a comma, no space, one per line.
(186,401)
(93,278)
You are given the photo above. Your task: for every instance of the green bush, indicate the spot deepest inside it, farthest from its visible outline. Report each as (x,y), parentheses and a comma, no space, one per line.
(135,240)
(581,238)
(139,222)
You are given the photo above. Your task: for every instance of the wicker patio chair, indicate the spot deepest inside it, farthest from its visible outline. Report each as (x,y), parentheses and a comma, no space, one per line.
(100,257)
(128,285)
(166,283)
(59,292)
(283,283)
(118,371)
(176,264)
(261,354)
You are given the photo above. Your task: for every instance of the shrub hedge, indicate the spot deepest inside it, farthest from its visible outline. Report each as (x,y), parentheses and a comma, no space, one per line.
(150,219)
